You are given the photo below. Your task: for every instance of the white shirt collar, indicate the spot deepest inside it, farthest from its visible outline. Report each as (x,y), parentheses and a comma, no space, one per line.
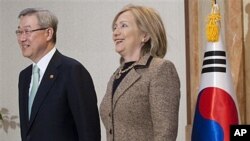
(44,61)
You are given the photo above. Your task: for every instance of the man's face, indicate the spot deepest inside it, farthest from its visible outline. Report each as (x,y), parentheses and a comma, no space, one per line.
(32,38)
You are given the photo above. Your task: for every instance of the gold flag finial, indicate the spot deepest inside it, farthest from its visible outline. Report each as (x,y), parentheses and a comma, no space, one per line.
(212,28)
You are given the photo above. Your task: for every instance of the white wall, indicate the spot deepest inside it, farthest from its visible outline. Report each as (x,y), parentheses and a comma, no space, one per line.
(84,33)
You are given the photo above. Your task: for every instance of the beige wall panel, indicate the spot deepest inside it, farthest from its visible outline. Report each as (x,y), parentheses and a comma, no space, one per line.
(246,17)
(234,46)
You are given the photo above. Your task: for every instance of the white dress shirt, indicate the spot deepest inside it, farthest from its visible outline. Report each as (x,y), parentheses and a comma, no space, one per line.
(42,65)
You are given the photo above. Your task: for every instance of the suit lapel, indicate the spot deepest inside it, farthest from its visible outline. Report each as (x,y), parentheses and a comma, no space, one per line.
(127,82)
(25,94)
(130,78)
(48,79)
(109,90)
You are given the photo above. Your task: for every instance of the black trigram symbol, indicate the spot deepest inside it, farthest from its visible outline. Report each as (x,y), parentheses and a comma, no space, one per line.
(214,61)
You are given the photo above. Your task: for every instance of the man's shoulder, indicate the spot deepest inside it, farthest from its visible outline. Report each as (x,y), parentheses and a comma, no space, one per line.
(70,61)
(59,57)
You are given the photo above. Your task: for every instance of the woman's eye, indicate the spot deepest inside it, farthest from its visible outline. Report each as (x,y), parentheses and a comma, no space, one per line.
(124,25)
(114,27)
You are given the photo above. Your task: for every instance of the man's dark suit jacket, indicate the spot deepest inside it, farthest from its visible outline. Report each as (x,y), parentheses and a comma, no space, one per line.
(65,106)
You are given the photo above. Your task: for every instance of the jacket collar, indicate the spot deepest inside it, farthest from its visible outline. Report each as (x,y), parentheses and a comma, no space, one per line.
(131,77)
(143,62)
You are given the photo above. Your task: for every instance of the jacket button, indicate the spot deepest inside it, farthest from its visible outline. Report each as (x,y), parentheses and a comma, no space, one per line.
(110,131)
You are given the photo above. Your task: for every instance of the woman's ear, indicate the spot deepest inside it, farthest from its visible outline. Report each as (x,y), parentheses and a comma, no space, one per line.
(49,33)
(145,38)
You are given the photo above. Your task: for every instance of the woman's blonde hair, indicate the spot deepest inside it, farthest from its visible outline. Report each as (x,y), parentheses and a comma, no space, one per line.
(149,22)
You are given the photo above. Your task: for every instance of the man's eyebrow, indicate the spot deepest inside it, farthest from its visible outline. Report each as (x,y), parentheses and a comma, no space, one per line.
(24,26)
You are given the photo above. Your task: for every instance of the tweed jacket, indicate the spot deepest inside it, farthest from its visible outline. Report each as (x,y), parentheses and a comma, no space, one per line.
(145,105)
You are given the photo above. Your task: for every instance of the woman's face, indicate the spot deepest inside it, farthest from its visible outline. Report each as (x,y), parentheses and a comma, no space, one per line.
(126,35)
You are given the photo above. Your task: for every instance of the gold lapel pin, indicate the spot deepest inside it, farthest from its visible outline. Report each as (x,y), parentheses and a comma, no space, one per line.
(51,76)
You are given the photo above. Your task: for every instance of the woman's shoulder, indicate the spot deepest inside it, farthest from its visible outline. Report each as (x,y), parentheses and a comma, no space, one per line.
(164,67)
(160,62)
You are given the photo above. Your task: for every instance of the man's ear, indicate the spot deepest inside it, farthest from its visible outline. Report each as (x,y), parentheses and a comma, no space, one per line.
(49,33)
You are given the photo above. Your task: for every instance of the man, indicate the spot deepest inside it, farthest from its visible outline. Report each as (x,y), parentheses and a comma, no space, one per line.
(57,99)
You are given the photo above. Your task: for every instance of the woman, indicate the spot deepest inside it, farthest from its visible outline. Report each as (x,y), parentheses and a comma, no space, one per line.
(142,98)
